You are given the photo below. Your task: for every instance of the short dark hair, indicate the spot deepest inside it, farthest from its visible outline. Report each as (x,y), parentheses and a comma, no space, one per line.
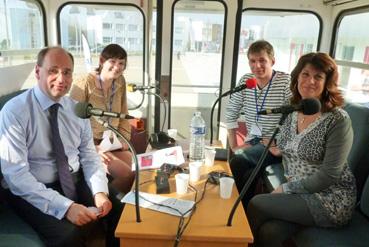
(331,96)
(259,46)
(112,51)
(41,55)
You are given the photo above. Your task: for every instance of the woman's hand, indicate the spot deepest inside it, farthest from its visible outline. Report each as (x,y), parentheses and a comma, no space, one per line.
(104,157)
(273,147)
(124,146)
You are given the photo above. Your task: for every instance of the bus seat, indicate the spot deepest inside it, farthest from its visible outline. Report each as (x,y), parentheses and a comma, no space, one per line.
(14,231)
(354,234)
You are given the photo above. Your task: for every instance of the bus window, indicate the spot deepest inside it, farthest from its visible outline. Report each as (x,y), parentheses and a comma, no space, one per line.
(85,29)
(352,55)
(291,33)
(197,42)
(22,35)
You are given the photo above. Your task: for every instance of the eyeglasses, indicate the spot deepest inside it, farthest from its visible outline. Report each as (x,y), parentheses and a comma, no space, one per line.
(55,72)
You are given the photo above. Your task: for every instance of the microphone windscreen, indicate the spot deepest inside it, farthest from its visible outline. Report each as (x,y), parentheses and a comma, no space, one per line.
(310,106)
(131,87)
(251,83)
(82,109)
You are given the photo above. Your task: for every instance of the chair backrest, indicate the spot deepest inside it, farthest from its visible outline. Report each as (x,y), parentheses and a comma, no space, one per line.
(358,158)
(3,99)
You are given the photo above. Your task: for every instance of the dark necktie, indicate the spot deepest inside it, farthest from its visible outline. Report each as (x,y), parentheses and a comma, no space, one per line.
(65,177)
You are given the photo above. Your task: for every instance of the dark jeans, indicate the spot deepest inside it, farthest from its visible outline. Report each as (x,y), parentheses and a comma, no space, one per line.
(62,232)
(243,163)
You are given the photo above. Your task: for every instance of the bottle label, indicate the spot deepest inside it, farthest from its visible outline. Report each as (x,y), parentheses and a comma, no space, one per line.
(198,130)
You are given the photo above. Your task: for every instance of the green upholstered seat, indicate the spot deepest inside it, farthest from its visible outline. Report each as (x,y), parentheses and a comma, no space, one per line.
(13,230)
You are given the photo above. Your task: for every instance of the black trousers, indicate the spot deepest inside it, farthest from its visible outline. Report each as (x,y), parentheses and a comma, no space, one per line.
(242,165)
(62,232)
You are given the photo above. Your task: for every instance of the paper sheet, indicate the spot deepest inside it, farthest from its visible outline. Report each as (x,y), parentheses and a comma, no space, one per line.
(181,205)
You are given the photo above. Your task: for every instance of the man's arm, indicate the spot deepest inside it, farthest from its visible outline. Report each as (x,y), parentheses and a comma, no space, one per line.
(16,170)
(232,113)
(90,161)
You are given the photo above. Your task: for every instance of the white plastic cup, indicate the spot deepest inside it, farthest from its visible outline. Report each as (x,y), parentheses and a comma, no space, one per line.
(226,185)
(209,157)
(172,133)
(195,171)
(182,183)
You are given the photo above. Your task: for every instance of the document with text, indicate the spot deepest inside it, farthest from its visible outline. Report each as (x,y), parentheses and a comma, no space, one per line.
(162,204)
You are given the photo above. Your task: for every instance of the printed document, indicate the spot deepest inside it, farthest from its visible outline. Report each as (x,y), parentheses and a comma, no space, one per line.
(162,204)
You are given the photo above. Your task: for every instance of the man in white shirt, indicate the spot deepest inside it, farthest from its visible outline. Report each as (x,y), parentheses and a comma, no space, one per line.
(29,160)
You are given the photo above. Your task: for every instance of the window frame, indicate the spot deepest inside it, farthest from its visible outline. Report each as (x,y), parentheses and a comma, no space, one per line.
(336,26)
(43,19)
(144,65)
(172,32)
(320,20)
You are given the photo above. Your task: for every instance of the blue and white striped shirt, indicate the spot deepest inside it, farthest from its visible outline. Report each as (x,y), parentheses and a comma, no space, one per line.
(244,102)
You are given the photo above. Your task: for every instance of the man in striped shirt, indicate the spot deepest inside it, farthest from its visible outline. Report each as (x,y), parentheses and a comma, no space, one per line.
(272,91)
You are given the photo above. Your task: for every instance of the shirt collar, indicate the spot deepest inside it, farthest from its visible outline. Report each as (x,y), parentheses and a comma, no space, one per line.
(44,100)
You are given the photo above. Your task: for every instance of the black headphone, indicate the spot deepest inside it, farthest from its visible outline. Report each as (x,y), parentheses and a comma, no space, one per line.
(161,140)
(214,176)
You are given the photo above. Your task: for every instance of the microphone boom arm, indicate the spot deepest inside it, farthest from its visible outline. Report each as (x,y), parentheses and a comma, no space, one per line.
(256,169)
(212,113)
(134,154)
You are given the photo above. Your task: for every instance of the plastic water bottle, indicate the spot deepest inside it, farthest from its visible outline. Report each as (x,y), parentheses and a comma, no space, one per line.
(197,137)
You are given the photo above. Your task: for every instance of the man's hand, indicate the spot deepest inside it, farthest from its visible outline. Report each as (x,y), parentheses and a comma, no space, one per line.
(103,203)
(80,215)
(279,189)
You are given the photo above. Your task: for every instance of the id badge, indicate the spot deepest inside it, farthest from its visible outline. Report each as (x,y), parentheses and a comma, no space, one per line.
(256,130)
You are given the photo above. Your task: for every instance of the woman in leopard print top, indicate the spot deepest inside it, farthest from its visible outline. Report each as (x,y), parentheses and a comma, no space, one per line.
(320,187)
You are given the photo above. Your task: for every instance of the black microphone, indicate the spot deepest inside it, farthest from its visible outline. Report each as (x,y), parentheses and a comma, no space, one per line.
(308,106)
(133,87)
(86,110)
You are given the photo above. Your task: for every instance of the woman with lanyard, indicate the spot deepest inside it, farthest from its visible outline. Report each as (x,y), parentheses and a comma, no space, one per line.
(272,91)
(105,88)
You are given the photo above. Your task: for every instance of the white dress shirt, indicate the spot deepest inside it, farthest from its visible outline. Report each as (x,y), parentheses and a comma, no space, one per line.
(26,156)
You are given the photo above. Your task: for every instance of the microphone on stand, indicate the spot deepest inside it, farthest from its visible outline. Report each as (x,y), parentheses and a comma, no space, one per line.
(249,83)
(308,107)
(84,110)
(131,87)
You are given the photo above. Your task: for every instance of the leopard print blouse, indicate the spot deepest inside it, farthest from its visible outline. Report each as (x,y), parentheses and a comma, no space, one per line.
(315,166)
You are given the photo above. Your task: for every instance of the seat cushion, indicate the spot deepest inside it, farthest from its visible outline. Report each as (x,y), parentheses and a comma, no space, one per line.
(14,231)
(353,234)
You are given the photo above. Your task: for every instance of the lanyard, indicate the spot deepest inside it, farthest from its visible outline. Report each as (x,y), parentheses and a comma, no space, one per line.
(266,93)
(111,96)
